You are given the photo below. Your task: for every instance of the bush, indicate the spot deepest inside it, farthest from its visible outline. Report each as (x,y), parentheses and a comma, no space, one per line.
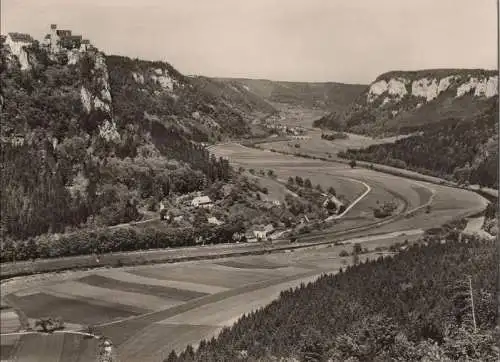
(344,253)
(385,210)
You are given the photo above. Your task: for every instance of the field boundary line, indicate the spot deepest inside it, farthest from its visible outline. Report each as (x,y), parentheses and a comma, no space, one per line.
(212,298)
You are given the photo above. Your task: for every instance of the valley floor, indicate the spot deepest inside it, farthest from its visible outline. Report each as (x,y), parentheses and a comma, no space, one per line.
(149,310)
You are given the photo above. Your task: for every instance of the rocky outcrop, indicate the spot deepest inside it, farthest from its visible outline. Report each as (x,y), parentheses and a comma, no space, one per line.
(404,102)
(395,88)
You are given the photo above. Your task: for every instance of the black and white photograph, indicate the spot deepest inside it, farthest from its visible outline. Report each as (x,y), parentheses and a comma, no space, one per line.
(249,181)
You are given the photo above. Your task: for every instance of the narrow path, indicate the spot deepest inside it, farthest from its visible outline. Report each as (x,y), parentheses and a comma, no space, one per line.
(367,191)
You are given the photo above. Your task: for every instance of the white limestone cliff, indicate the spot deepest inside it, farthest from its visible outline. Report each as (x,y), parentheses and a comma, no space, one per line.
(425,88)
(482,87)
(394,89)
(163,79)
(139,78)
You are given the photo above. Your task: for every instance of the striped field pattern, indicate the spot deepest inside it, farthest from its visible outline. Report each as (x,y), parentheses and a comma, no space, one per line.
(160,306)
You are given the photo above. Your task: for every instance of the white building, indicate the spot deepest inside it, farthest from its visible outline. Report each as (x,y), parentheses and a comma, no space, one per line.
(262,233)
(202,201)
(213,220)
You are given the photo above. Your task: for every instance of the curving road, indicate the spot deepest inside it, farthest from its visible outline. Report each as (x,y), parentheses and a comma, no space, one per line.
(151,336)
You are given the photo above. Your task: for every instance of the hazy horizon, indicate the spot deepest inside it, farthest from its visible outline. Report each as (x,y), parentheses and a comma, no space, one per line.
(287,40)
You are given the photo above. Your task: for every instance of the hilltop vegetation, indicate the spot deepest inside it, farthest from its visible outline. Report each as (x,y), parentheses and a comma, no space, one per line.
(326,96)
(410,307)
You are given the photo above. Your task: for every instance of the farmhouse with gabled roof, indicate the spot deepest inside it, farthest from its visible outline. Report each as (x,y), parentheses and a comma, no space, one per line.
(202,201)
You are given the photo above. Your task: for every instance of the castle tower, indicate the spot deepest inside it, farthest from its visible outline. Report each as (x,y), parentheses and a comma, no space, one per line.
(54,38)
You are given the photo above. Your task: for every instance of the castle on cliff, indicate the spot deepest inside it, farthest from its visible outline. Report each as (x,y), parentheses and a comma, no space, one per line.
(58,40)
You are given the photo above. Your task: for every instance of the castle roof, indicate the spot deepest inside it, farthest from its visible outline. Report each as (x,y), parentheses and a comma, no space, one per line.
(64,33)
(73,37)
(21,37)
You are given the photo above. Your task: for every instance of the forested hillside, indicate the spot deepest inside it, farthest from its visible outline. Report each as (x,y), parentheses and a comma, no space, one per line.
(462,150)
(414,306)
(328,96)
(90,140)
(235,93)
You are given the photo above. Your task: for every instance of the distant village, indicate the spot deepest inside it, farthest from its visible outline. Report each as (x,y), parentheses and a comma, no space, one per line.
(280,129)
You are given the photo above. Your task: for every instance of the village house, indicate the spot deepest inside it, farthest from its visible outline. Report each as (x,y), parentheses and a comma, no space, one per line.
(250,237)
(202,201)
(214,221)
(301,137)
(15,140)
(261,233)
(237,237)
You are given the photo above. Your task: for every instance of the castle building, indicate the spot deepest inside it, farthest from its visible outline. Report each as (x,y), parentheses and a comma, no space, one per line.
(59,39)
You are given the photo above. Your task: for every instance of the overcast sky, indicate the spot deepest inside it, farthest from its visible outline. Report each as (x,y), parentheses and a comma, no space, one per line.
(304,40)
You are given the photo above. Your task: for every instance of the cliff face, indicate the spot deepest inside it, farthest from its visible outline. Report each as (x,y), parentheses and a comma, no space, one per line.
(401,102)
(115,92)
(393,87)
(107,135)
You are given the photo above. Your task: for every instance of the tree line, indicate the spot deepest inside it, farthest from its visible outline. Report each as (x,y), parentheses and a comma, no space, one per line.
(105,240)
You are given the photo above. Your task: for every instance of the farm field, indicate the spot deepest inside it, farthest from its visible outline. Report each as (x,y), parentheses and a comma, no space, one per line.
(276,190)
(57,347)
(456,202)
(149,310)
(209,295)
(316,146)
